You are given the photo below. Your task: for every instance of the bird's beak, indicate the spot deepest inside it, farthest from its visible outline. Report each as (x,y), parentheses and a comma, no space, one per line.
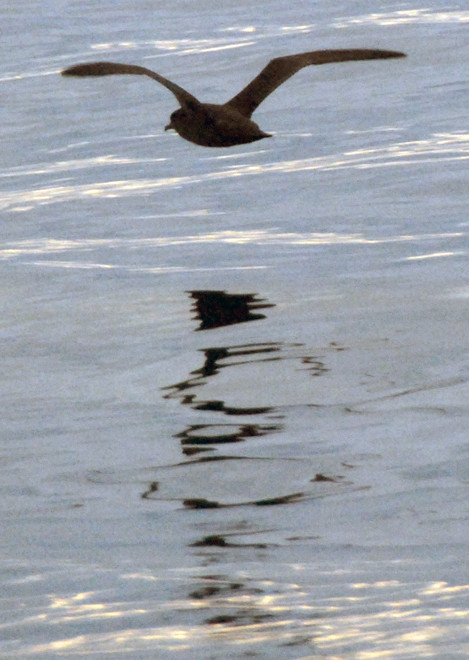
(169,126)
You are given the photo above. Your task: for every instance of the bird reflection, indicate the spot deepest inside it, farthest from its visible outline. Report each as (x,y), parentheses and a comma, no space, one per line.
(197,436)
(214,309)
(218,480)
(217,308)
(214,358)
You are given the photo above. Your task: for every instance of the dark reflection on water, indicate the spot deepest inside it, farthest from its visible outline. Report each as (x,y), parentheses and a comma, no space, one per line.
(238,603)
(226,482)
(208,482)
(217,308)
(228,356)
(203,434)
(212,365)
(219,541)
(215,360)
(202,503)
(216,485)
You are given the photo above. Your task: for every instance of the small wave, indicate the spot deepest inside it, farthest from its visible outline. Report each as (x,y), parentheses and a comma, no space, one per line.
(403,16)
(50,246)
(439,147)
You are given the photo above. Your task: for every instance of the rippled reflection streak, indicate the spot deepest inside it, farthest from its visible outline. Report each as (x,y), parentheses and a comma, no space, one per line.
(274,481)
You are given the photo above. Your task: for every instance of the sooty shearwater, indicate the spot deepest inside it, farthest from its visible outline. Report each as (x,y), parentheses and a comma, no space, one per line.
(211,125)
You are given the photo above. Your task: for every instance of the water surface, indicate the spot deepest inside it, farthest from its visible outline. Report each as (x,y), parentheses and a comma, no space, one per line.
(289,477)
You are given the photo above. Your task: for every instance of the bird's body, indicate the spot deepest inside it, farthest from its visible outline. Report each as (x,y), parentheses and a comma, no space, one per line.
(226,125)
(212,125)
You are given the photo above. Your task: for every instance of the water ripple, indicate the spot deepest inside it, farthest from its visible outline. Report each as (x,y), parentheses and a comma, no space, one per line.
(51,246)
(439,147)
(404,16)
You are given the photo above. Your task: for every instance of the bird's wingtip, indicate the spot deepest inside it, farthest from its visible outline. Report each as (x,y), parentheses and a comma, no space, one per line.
(93,69)
(72,70)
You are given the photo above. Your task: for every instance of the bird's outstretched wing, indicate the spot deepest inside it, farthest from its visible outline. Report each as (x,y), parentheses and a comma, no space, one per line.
(281,68)
(111,68)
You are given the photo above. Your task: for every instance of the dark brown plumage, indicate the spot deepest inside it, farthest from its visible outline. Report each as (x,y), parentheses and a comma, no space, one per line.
(211,125)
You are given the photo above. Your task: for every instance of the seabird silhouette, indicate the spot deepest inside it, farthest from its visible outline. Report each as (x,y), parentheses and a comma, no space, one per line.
(212,125)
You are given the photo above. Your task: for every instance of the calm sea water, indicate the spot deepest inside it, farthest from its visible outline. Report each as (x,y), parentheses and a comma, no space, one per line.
(291,487)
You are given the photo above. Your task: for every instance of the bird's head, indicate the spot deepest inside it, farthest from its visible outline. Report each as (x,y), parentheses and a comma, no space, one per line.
(182,117)
(175,119)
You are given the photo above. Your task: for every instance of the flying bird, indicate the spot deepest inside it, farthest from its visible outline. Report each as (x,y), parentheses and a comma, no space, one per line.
(212,125)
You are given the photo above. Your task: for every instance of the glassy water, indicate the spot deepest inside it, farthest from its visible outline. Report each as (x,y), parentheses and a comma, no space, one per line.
(235,382)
